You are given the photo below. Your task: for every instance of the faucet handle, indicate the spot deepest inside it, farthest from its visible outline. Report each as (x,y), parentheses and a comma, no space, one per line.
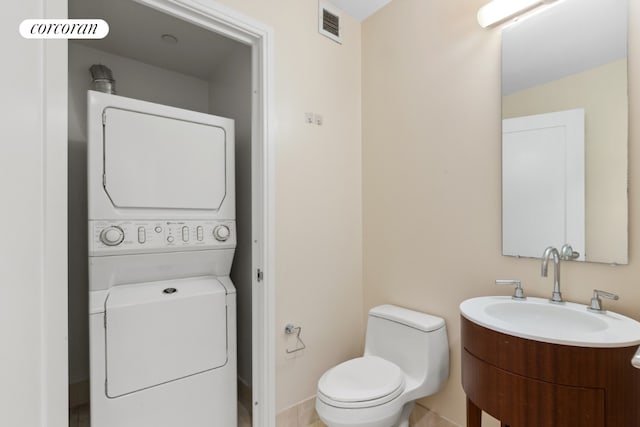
(518,293)
(567,252)
(596,302)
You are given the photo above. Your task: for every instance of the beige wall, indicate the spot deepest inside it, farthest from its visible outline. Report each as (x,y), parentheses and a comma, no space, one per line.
(431,173)
(602,92)
(318,186)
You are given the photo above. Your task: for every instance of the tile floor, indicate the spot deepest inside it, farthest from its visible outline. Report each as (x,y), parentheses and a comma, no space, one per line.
(244,417)
(304,415)
(79,416)
(421,417)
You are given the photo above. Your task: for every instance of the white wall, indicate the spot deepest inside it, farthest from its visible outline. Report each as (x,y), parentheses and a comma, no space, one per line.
(33,213)
(134,79)
(230,96)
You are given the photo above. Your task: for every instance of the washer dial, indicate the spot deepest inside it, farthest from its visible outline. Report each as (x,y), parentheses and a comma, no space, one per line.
(221,233)
(112,235)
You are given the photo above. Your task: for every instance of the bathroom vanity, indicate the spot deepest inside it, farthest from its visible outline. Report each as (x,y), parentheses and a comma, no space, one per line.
(528,383)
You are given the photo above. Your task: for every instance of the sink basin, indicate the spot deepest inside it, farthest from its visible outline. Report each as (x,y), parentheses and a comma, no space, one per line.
(540,320)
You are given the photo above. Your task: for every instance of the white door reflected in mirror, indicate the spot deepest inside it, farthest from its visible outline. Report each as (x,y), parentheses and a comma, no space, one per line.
(543,183)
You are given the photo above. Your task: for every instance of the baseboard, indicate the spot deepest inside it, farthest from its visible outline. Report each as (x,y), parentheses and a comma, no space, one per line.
(79,394)
(425,417)
(302,414)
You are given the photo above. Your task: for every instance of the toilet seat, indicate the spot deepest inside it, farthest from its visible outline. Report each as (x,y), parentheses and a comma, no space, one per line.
(362,382)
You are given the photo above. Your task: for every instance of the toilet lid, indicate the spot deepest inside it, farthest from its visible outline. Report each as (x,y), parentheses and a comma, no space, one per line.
(362,379)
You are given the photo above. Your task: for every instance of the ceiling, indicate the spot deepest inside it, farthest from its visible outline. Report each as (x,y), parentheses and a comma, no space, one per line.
(567,38)
(360,9)
(198,52)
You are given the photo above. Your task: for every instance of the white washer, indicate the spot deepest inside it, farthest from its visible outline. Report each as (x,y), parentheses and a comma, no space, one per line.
(162,236)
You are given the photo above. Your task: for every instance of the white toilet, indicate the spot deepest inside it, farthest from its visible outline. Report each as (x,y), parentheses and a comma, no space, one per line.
(406,357)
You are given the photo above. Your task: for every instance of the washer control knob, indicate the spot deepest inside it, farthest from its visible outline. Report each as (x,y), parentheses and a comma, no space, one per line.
(221,233)
(112,235)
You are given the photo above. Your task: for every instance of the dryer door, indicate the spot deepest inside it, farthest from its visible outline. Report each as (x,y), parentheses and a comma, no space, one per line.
(163,331)
(151,161)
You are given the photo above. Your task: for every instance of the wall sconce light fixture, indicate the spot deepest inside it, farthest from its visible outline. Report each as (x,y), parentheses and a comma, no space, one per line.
(498,11)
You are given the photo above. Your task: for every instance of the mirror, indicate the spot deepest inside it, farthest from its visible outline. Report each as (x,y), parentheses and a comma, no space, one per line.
(564,134)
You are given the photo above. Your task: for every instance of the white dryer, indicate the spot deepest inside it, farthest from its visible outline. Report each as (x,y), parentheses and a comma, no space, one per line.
(162,236)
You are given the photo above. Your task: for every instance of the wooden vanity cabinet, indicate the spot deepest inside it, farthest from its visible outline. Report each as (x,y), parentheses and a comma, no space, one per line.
(527,383)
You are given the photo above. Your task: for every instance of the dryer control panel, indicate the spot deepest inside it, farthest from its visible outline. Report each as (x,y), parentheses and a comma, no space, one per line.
(126,237)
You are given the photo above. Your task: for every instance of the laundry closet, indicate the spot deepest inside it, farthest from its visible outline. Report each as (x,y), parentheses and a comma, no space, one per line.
(160,59)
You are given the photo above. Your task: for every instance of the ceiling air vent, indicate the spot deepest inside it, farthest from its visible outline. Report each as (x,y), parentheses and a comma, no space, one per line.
(329,22)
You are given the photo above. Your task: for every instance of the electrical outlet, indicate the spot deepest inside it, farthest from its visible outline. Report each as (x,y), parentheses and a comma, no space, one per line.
(317,118)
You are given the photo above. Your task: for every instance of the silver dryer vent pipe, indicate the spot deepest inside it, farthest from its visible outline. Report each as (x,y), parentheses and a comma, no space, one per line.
(103,79)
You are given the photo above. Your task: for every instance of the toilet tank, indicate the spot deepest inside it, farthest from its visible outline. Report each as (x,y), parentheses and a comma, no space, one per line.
(416,342)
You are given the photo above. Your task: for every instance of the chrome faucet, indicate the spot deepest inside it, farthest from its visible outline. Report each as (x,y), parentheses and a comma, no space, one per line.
(556,296)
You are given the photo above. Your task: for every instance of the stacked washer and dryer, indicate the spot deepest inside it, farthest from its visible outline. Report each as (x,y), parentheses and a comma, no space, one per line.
(162,236)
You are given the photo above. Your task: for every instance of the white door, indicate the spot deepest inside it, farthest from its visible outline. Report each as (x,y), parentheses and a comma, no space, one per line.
(543,183)
(154,161)
(162,331)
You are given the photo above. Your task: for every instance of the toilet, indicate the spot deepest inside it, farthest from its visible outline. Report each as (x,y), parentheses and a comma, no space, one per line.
(406,357)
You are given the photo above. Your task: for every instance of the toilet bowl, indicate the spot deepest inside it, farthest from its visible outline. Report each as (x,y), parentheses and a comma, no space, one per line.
(406,358)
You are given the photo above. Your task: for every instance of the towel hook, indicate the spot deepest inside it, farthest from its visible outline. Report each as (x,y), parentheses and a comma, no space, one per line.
(291,329)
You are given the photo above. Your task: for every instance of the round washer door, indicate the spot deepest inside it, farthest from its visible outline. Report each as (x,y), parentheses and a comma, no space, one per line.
(361,379)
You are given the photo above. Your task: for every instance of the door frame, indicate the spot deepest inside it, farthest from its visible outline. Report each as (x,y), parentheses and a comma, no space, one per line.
(229,23)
